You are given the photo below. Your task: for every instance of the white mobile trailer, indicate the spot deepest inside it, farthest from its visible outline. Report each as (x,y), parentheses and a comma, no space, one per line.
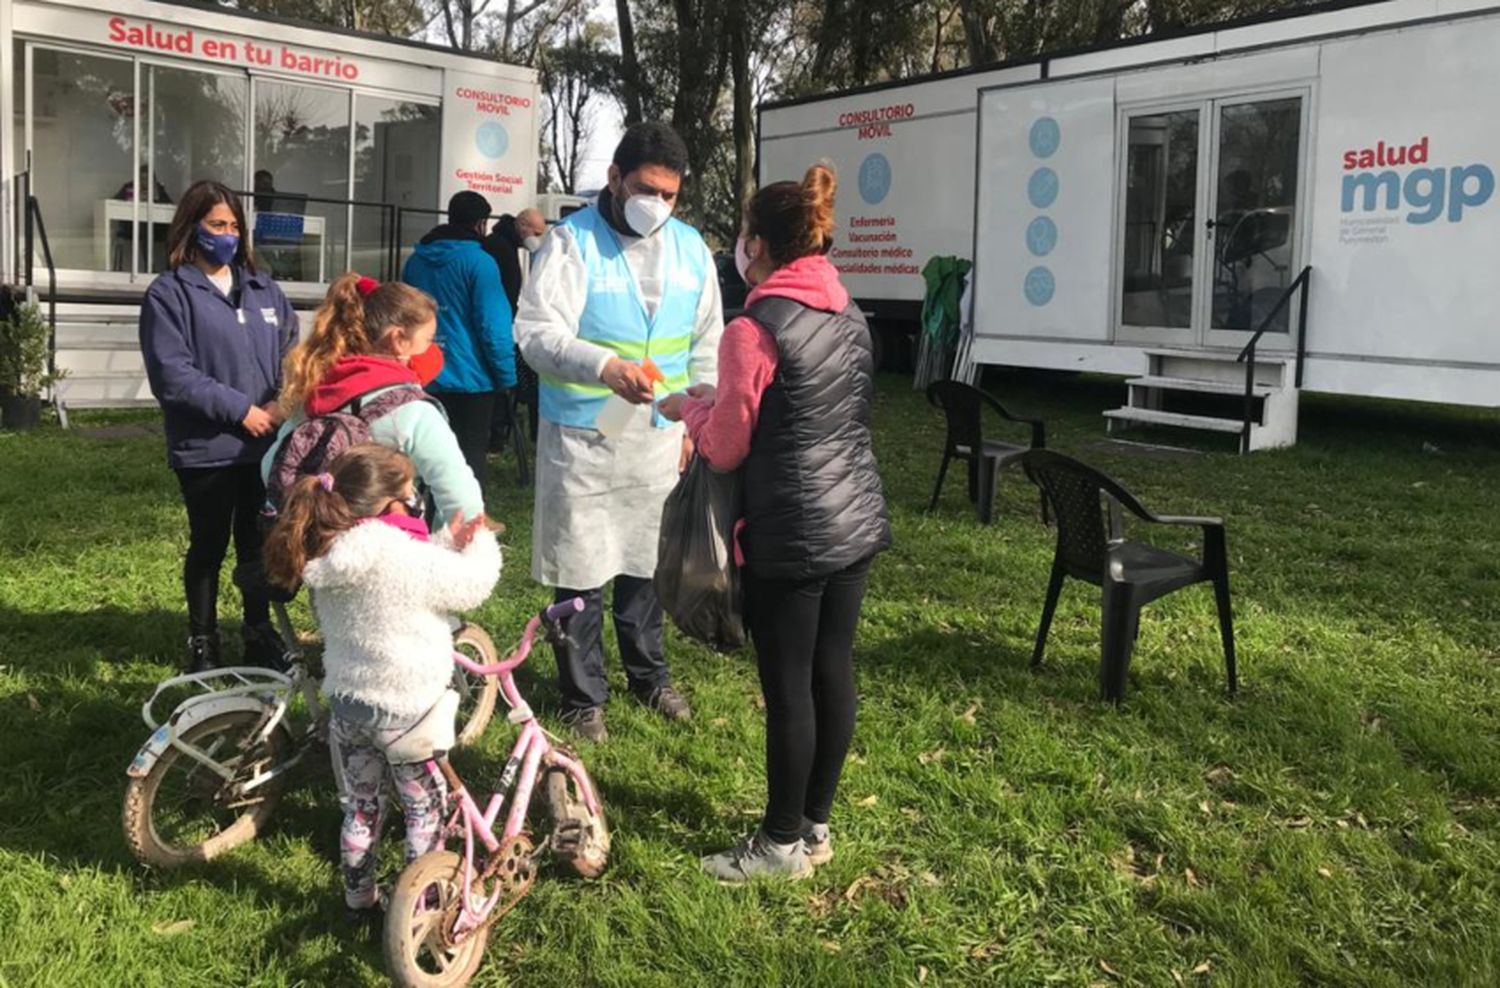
(1140,209)
(1143,211)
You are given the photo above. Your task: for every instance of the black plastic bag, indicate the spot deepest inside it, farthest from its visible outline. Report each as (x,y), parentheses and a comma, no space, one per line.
(696,576)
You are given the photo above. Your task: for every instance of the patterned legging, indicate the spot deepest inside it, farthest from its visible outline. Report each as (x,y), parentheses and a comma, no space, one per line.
(358,758)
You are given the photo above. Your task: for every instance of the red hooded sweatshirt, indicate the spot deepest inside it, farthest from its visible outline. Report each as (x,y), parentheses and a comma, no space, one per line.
(721,428)
(355,376)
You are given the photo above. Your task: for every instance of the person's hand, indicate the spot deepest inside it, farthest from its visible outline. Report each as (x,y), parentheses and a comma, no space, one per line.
(258,422)
(273,409)
(463,532)
(627,380)
(687,455)
(703,392)
(671,407)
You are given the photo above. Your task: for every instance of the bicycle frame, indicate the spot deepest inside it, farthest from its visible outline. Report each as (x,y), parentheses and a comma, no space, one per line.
(533,749)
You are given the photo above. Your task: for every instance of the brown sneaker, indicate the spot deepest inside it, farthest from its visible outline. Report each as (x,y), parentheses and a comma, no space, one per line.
(587,723)
(668,702)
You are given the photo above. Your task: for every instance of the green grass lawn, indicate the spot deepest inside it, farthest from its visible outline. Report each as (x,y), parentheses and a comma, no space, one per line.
(1338,822)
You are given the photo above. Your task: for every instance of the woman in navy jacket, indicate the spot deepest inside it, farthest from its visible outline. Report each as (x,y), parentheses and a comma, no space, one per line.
(214,331)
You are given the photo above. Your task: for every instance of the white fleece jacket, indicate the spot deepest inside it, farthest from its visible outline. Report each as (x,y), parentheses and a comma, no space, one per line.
(383,600)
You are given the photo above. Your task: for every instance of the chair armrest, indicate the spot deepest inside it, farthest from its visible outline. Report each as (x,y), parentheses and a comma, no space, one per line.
(1203,522)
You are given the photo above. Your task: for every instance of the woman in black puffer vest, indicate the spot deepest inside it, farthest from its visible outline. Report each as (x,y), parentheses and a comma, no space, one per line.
(793,409)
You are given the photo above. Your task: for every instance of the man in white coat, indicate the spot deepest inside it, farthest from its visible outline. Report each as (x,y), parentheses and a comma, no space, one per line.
(610,286)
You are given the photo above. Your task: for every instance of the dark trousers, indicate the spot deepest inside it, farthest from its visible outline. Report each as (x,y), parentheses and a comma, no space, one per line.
(804,644)
(221,501)
(638,626)
(469,415)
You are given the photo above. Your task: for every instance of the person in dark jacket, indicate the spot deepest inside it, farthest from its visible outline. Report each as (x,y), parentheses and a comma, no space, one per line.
(474,323)
(511,236)
(796,382)
(213,333)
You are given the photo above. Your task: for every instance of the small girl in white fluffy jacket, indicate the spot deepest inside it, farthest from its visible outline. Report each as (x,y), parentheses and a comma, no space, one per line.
(382,591)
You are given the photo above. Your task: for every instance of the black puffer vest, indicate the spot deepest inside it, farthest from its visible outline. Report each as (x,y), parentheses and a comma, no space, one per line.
(813,498)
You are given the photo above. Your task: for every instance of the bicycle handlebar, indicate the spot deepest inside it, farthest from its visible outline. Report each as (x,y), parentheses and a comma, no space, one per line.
(565,608)
(551,615)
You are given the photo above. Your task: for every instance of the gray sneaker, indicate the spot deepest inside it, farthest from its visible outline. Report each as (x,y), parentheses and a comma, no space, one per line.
(668,702)
(818,842)
(587,723)
(757,857)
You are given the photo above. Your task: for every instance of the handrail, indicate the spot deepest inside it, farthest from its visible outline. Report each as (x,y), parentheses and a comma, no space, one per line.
(34,218)
(1247,355)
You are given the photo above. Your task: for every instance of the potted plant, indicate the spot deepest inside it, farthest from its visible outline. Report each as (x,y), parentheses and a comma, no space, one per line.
(24,373)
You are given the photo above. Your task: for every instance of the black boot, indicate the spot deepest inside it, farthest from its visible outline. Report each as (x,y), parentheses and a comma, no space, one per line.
(264,647)
(203,652)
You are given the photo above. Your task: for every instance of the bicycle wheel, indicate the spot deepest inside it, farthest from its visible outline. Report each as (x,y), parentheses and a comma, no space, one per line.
(424,904)
(476,703)
(182,812)
(579,837)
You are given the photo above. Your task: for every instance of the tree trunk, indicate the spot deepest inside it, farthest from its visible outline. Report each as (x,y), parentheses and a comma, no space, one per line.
(976,33)
(629,64)
(828,41)
(744,123)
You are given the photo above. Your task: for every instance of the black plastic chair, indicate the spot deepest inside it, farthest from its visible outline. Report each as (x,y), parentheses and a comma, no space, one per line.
(1130,574)
(963,407)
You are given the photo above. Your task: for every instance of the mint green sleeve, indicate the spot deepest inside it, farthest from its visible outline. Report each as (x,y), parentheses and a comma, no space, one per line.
(423,434)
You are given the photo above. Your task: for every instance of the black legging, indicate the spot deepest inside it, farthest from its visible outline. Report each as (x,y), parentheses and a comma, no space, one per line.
(804,644)
(220,500)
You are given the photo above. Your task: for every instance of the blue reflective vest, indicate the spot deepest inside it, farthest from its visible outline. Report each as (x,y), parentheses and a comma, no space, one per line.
(614,315)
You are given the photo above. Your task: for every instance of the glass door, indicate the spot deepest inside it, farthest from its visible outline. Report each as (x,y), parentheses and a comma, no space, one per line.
(1255,219)
(1160,237)
(1209,219)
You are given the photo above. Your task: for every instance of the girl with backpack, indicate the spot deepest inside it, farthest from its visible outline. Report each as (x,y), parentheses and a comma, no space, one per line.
(383,593)
(367,355)
(796,381)
(213,332)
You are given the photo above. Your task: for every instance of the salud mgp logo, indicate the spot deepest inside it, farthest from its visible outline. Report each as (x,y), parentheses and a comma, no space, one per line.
(1373,182)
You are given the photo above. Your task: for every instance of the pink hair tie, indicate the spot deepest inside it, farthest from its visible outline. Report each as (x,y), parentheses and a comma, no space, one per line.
(366,286)
(326,481)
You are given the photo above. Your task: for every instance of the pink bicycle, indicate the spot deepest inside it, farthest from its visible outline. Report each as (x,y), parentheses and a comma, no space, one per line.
(443,904)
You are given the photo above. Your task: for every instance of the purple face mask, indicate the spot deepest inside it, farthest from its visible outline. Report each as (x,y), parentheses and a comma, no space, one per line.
(217,248)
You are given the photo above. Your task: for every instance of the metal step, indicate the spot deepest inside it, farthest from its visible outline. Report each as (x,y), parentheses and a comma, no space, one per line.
(1201,387)
(105,390)
(1150,416)
(1221,356)
(102,361)
(96,336)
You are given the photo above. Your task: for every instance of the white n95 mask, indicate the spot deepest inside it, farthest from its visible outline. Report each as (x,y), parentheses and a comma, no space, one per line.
(646,214)
(532,243)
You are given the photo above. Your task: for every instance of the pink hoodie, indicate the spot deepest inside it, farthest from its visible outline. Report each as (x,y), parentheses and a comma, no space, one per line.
(721,428)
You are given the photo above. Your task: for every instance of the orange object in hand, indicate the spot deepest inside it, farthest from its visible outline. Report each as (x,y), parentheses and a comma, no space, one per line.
(653,372)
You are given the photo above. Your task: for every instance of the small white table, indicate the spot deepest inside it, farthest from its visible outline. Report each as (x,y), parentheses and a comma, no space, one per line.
(110,211)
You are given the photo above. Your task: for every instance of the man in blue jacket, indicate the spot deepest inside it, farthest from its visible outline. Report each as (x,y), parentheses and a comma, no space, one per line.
(474,322)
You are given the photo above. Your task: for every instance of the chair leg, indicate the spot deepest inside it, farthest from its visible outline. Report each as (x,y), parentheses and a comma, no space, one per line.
(1226,629)
(937,490)
(1054,590)
(1046,519)
(1121,621)
(989,470)
(974,459)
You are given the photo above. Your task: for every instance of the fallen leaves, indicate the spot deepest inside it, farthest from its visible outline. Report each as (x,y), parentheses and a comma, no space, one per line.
(868,801)
(930,757)
(968,715)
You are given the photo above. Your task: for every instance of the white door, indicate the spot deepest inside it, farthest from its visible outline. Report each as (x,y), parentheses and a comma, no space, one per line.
(1209,219)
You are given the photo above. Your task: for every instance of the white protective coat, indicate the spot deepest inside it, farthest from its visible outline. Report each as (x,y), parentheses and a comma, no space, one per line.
(599,501)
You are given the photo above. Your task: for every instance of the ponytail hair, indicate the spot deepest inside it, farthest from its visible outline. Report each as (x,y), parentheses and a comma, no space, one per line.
(338,331)
(360,483)
(795,219)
